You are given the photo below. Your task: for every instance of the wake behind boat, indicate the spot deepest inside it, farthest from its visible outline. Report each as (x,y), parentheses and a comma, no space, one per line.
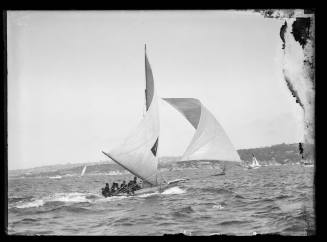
(138,153)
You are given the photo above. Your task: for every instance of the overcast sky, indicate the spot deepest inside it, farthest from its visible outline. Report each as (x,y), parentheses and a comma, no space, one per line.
(76,80)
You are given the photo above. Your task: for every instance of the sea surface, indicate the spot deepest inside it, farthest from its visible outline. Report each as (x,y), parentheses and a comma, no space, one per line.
(270,199)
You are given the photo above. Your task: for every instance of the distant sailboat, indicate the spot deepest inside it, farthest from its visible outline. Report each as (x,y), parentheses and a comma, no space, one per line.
(83,171)
(307,163)
(138,152)
(255,164)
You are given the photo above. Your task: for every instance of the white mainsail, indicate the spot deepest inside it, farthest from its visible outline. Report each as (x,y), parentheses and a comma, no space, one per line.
(137,153)
(83,171)
(210,141)
(255,163)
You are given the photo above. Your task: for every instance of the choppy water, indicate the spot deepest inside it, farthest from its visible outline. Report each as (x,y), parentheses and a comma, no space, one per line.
(242,202)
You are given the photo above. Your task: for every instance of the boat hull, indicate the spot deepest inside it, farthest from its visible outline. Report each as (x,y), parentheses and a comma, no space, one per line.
(153,189)
(150,190)
(159,188)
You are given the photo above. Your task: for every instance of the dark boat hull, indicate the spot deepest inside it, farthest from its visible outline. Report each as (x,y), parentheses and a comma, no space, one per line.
(153,189)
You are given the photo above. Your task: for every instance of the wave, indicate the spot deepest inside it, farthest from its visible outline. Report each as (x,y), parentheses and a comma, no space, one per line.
(73,197)
(176,169)
(215,190)
(183,212)
(19,199)
(219,206)
(295,228)
(55,177)
(114,198)
(234,222)
(282,196)
(148,194)
(69,175)
(52,200)
(173,190)
(28,220)
(238,196)
(187,209)
(72,209)
(219,174)
(92,196)
(289,206)
(35,203)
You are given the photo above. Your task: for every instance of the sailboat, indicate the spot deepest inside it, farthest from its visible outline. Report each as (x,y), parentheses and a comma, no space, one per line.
(138,152)
(255,164)
(83,171)
(307,163)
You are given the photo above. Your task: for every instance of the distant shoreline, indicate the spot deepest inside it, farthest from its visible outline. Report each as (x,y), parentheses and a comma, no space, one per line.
(278,152)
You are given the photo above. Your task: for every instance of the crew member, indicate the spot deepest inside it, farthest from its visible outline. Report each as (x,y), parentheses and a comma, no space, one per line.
(106,190)
(114,187)
(136,185)
(130,187)
(123,186)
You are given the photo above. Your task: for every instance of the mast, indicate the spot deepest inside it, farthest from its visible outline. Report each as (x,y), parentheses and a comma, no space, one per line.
(137,153)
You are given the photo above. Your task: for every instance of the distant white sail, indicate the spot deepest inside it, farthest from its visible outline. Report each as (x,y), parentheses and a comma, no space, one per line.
(83,171)
(255,163)
(210,141)
(137,153)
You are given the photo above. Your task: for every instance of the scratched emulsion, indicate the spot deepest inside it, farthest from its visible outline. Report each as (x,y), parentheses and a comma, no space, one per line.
(298,36)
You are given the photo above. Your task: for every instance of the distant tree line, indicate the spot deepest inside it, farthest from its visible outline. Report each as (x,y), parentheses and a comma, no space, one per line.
(281,153)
